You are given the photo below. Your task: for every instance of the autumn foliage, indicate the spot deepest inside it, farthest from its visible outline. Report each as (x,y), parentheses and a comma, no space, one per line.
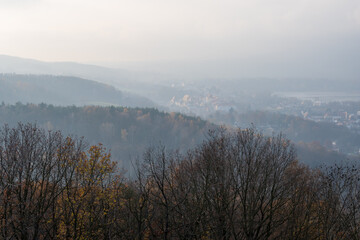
(236,185)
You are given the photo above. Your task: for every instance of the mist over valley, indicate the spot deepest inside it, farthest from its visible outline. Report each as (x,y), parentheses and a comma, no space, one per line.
(201,120)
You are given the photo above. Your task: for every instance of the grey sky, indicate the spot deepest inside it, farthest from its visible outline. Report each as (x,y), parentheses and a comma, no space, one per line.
(263,36)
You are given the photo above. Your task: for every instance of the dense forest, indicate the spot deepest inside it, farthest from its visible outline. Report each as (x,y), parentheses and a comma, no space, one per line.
(236,185)
(126,131)
(129,131)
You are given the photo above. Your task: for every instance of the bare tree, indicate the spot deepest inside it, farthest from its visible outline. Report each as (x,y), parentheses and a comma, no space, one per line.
(339,212)
(234,186)
(240,179)
(32,178)
(136,201)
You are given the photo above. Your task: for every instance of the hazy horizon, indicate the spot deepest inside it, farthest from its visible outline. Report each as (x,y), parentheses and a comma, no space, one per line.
(230,38)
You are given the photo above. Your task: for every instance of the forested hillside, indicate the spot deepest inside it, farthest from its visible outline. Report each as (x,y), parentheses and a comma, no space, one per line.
(295,128)
(129,131)
(126,131)
(314,140)
(62,90)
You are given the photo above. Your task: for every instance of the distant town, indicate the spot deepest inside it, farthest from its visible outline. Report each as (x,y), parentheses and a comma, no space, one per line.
(337,109)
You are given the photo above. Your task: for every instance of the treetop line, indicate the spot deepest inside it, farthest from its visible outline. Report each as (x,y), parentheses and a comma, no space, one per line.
(238,184)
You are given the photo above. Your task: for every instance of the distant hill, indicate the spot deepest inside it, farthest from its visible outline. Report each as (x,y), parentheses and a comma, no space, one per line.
(132,81)
(161,88)
(62,90)
(10,64)
(126,131)
(139,83)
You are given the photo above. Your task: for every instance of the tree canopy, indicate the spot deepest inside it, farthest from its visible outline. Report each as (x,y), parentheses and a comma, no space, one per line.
(235,185)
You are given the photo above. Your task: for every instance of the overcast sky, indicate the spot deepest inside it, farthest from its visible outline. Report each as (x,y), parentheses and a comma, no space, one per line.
(268,38)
